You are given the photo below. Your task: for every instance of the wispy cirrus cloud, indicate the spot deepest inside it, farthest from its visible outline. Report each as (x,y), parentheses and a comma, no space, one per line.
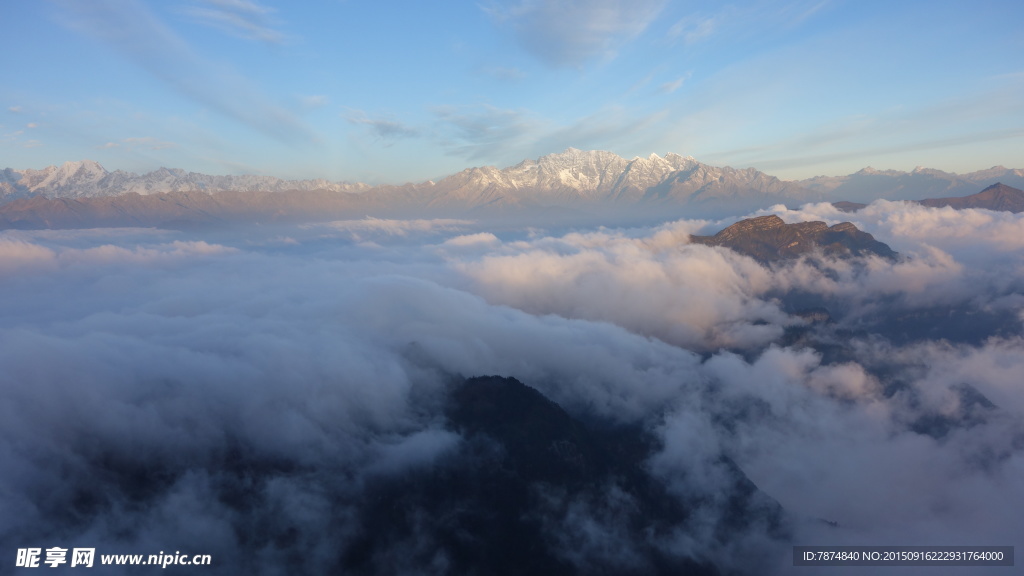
(134,31)
(149,142)
(973,118)
(691,30)
(569,33)
(314,101)
(503,73)
(504,135)
(486,131)
(242,18)
(752,20)
(145,142)
(672,86)
(383,128)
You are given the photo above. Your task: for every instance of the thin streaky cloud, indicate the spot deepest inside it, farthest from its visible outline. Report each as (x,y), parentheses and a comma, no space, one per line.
(486,132)
(504,73)
(140,37)
(815,159)
(670,87)
(314,101)
(148,142)
(240,18)
(892,132)
(568,33)
(693,30)
(757,19)
(389,130)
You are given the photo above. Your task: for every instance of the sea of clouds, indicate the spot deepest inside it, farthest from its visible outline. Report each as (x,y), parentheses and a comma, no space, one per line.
(151,380)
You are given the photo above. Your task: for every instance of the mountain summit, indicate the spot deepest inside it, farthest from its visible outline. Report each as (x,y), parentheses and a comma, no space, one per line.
(998,197)
(768,239)
(573,182)
(577,178)
(88,179)
(570,186)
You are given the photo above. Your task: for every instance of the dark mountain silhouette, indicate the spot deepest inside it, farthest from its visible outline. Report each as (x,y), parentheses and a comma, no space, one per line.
(526,481)
(998,196)
(845,206)
(768,238)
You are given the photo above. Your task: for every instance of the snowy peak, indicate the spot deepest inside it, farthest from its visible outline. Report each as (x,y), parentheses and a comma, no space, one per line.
(572,181)
(576,177)
(998,197)
(573,178)
(70,178)
(87,179)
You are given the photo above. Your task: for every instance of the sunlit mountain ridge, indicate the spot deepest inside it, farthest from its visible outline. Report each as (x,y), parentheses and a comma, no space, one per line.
(571,184)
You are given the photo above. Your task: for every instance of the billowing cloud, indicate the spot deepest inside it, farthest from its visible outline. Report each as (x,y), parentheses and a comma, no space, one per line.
(688,295)
(16,255)
(371,227)
(970,234)
(215,394)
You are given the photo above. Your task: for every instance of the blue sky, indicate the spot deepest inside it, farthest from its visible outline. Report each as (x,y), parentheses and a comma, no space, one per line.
(407,91)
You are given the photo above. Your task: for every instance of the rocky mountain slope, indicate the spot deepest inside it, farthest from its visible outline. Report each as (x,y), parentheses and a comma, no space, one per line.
(527,485)
(768,239)
(576,177)
(998,196)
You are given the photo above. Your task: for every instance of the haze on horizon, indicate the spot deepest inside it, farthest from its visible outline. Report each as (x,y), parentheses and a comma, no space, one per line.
(385,94)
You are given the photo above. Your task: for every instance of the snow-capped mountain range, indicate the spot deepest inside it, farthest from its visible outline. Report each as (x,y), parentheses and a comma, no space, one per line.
(573,181)
(576,177)
(570,178)
(88,179)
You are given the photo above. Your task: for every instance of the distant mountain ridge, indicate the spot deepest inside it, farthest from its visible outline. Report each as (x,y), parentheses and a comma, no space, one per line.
(572,183)
(998,197)
(870,184)
(88,179)
(568,178)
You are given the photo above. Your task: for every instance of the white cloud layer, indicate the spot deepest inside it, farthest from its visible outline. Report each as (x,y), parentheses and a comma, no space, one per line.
(142,362)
